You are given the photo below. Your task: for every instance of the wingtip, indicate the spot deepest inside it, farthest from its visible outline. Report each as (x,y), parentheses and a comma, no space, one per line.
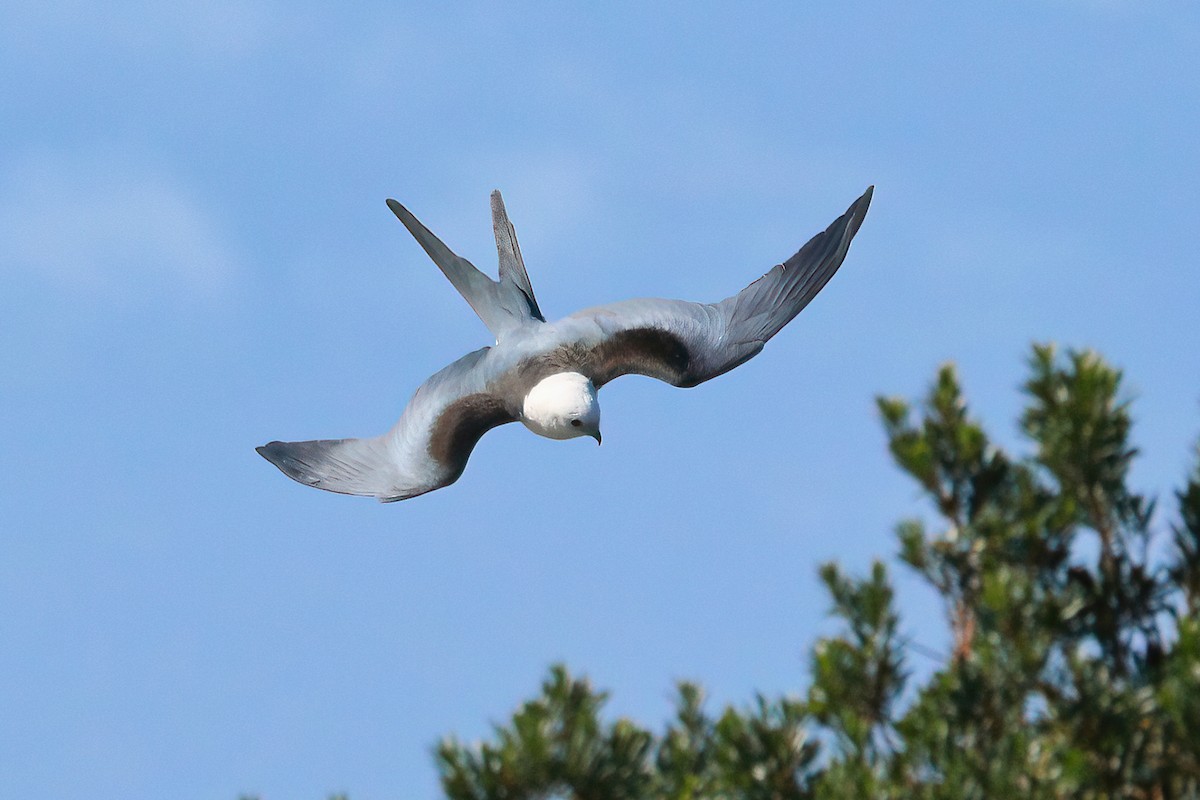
(402,214)
(857,212)
(859,207)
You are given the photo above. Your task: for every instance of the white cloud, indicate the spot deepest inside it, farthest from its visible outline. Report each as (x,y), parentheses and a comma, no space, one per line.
(106,226)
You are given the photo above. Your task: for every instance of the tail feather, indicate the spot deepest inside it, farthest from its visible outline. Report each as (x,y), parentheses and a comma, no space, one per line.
(504,305)
(347,466)
(476,288)
(512,265)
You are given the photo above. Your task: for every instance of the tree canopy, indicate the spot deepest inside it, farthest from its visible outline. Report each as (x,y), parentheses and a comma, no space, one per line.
(1074,614)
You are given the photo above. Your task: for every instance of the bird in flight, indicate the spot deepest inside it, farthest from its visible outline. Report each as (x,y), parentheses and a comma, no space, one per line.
(545,375)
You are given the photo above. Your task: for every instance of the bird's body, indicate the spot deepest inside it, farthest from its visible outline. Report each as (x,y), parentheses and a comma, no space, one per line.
(546,374)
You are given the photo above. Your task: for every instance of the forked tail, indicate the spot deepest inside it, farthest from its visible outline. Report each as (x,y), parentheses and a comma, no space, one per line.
(503,305)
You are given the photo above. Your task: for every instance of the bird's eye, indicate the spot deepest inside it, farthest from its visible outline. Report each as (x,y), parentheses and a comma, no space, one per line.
(576,423)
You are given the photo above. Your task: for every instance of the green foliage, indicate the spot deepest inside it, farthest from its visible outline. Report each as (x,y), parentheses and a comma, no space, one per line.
(557,746)
(1185,566)
(1075,662)
(858,676)
(553,743)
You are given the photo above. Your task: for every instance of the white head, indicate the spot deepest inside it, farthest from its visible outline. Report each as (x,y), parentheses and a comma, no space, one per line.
(563,406)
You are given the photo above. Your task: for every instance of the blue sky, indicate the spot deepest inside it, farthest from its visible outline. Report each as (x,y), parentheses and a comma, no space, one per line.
(196,258)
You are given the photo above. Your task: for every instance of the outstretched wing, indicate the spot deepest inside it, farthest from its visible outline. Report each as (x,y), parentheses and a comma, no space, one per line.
(426,450)
(686,343)
(502,305)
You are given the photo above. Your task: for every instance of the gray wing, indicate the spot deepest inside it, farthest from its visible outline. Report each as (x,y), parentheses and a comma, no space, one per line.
(502,305)
(686,343)
(426,450)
